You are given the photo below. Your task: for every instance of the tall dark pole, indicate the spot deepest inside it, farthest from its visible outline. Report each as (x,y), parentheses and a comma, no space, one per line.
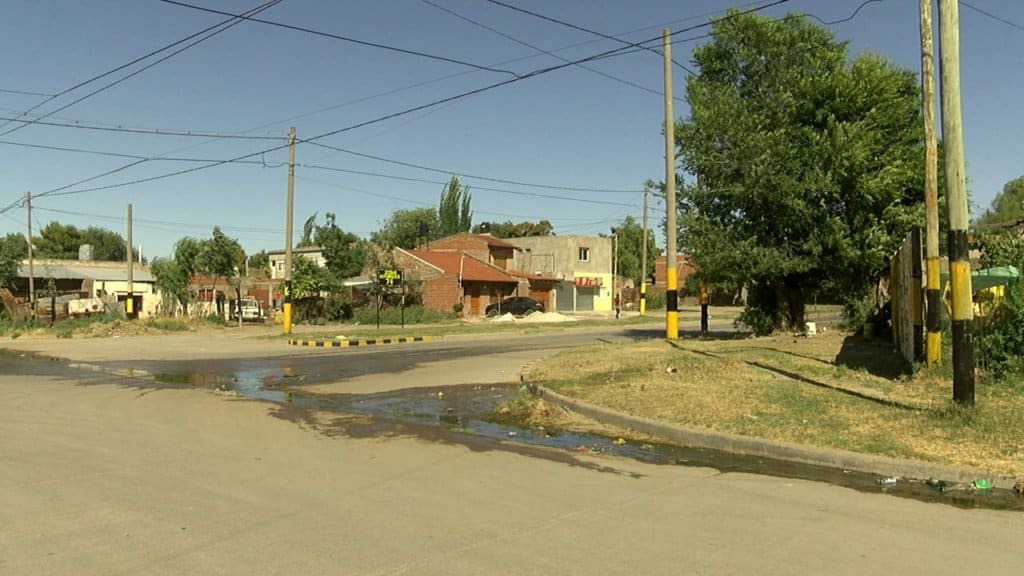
(956,186)
(286,307)
(31,263)
(643,261)
(933,305)
(129,301)
(671,273)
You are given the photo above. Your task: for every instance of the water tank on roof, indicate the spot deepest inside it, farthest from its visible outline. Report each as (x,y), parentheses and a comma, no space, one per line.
(85,253)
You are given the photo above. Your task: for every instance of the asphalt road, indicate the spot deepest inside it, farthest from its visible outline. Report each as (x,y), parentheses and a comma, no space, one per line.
(116,477)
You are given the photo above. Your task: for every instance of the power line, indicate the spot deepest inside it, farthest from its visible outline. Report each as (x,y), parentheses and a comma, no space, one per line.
(607,53)
(499,190)
(213,31)
(539,49)
(589,31)
(473,176)
(344,38)
(122,155)
(991,15)
(160,222)
(431,204)
(146,131)
(23,92)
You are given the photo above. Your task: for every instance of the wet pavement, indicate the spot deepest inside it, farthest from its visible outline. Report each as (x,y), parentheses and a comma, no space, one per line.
(463,415)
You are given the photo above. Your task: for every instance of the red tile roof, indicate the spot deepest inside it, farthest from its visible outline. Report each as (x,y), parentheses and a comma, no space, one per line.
(471,268)
(487,238)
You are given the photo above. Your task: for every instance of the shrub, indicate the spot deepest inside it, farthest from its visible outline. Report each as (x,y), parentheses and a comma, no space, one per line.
(216,320)
(655,300)
(1000,344)
(757,320)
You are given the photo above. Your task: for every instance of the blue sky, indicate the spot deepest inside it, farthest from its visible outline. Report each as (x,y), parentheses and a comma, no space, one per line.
(570,128)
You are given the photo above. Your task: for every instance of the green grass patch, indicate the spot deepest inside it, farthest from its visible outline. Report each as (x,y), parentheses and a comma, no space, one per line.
(798,390)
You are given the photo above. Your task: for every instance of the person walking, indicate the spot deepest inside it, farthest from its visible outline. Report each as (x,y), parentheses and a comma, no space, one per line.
(618,306)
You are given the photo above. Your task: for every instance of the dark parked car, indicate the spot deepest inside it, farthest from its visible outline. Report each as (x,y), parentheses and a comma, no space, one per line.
(517,305)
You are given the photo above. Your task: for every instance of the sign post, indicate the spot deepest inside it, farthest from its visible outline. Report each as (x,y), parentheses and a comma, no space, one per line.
(389,278)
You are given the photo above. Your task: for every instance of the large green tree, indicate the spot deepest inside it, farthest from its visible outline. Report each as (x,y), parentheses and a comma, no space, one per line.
(62,241)
(1008,206)
(454,214)
(344,252)
(629,238)
(106,245)
(13,249)
(509,229)
(808,164)
(174,274)
(407,228)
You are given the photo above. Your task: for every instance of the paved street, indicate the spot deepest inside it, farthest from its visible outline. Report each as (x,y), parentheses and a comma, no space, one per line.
(102,476)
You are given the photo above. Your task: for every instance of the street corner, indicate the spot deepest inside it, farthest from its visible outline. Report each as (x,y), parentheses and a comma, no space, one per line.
(342,342)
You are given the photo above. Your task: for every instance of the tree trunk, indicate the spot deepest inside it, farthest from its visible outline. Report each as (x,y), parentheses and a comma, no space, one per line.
(795,304)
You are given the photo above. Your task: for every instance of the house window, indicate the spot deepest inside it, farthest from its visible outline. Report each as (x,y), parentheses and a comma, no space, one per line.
(280,265)
(584,254)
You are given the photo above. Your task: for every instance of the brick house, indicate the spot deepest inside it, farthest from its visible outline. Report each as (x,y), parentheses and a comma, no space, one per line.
(454,270)
(480,287)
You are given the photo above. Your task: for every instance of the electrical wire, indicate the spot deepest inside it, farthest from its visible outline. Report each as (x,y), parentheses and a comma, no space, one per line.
(499,190)
(539,49)
(430,204)
(217,29)
(62,190)
(344,38)
(991,15)
(24,92)
(122,155)
(146,131)
(587,30)
(473,176)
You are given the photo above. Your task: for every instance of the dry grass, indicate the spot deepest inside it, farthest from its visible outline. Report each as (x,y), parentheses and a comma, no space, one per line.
(806,390)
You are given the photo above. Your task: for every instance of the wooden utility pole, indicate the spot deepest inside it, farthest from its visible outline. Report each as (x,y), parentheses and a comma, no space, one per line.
(956,186)
(129,302)
(671,274)
(643,262)
(31,266)
(287,307)
(933,305)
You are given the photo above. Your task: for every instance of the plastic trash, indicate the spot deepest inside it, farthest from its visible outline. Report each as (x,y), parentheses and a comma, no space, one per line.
(512,434)
(890,481)
(939,485)
(981,485)
(620,442)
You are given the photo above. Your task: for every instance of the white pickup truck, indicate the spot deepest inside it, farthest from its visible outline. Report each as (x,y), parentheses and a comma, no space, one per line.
(251,310)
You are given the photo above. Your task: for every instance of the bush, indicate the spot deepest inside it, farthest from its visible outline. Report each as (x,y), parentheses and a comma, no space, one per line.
(761,313)
(757,320)
(1000,344)
(655,300)
(216,320)
(168,324)
(413,315)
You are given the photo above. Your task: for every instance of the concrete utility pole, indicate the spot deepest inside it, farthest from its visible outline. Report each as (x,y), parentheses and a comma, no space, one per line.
(671,274)
(31,266)
(933,305)
(956,185)
(643,262)
(287,307)
(129,301)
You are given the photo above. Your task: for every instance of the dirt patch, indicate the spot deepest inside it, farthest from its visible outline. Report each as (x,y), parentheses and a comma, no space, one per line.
(796,389)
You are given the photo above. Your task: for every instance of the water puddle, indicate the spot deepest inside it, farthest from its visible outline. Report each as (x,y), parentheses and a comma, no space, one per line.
(465,410)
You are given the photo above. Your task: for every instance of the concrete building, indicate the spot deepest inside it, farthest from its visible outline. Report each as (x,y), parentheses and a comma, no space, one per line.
(581,264)
(276,257)
(89,279)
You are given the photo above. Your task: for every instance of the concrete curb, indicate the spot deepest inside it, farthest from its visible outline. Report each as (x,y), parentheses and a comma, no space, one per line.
(330,343)
(745,445)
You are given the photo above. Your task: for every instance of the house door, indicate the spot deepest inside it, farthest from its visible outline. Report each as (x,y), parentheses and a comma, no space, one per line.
(474,300)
